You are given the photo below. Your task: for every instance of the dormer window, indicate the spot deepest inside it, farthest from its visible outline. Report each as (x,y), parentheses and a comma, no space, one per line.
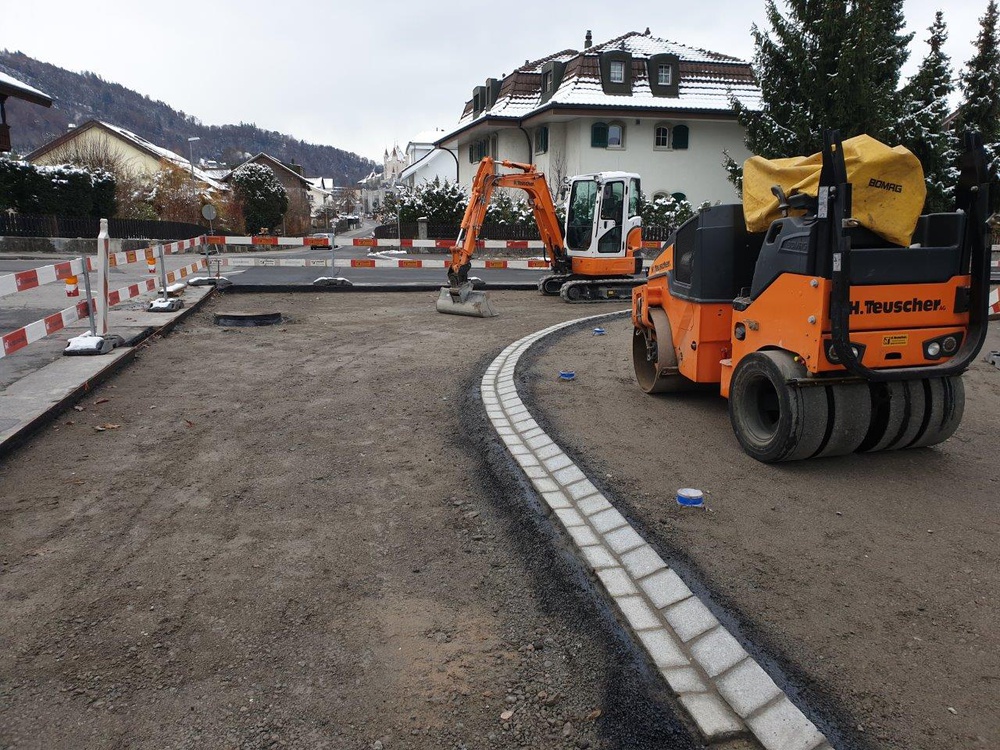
(664,74)
(552,75)
(616,72)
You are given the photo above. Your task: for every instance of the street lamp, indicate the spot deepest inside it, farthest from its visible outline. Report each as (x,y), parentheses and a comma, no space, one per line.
(191,141)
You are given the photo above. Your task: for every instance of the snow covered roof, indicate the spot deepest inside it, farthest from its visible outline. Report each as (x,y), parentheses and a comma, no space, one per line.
(427,137)
(272,162)
(706,81)
(165,153)
(422,162)
(10,86)
(157,152)
(321,183)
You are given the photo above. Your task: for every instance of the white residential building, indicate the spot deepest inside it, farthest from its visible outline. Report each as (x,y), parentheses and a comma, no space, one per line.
(425,163)
(636,103)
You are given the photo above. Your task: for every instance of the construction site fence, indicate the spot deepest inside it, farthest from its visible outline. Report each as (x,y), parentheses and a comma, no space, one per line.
(412,231)
(68,271)
(76,227)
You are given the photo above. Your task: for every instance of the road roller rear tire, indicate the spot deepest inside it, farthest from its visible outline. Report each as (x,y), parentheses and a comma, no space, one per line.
(945,407)
(850,408)
(773,420)
(890,403)
(913,420)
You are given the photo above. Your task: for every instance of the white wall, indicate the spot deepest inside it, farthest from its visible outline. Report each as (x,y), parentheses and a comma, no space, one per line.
(696,171)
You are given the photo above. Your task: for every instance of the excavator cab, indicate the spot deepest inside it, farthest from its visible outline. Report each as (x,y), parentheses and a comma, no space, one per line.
(602,214)
(603,237)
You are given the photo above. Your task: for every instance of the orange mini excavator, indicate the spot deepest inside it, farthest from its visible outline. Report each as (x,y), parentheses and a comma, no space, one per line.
(594,261)
(829,331)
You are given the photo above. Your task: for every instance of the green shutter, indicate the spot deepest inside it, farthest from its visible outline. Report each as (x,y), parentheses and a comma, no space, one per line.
(680,136)
(599,135)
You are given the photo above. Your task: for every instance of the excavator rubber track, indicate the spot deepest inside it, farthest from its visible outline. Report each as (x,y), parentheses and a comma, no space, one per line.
(582,290)
(550,284)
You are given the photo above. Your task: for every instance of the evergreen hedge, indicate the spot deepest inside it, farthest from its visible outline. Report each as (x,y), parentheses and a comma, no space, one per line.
(61,190)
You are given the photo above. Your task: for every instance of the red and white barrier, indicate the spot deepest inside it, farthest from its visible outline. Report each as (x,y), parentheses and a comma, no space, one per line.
(150,285)
(21,337)
(482,244)
(23,281)
(377,263)
(994,302)
(33,278)
(267,240)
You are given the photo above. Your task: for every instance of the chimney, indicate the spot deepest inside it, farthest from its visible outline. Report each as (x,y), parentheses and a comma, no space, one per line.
(588,40)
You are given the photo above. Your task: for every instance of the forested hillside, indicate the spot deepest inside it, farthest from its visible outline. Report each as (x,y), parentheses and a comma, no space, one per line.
(86,96)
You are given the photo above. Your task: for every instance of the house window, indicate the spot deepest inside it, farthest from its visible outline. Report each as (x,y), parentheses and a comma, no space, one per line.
(607,135)
(680,137)
(664,75)
(479,149)
(541,140)
(599,135)
(661,137)
(546,81)
(616,71)
(616,135)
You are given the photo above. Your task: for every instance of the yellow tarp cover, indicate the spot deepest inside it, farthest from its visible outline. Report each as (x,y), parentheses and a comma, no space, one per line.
(887,187)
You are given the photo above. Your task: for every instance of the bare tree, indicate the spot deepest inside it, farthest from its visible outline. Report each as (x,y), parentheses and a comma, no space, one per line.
(557,173)
(130,185)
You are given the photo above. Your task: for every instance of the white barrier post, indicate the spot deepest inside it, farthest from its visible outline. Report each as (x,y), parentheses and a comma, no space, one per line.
(163,271)
(96,340)
(103,248)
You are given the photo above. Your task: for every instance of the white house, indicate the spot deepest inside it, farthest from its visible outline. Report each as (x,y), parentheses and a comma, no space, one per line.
(636,103)
(425,163)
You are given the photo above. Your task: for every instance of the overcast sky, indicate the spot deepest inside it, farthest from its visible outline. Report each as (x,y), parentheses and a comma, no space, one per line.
(368,74)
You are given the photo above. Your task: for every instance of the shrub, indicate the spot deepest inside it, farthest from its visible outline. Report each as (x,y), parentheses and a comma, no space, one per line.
(62,190)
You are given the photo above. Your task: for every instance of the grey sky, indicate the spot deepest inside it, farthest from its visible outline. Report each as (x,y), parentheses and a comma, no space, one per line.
(365,75)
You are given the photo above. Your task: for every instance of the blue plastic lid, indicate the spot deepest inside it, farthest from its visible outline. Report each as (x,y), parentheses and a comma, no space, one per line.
(567,375)
(690,497)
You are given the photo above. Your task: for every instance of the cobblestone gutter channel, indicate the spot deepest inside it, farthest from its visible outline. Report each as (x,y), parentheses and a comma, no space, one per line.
(725,691)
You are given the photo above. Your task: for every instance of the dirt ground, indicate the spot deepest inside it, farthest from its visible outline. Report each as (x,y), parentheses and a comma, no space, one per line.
(307,536)
(870,582)
(304,536)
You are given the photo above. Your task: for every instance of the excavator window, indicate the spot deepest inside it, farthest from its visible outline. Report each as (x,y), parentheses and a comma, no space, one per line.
(580,221)
(612,200)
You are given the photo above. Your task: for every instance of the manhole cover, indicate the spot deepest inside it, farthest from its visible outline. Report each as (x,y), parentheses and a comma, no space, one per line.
(247,319)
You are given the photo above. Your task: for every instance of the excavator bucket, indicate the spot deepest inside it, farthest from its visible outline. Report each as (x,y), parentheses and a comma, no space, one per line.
(464,300)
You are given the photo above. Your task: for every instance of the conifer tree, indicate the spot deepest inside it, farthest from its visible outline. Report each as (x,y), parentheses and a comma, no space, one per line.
(980,81)
(832,64)
(921,125)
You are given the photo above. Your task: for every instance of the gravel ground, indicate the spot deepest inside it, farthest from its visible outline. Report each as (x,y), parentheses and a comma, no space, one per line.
(868,584)
(305,536)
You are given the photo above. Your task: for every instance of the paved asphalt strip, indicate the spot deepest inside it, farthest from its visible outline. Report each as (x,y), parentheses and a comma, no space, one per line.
(724,689)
